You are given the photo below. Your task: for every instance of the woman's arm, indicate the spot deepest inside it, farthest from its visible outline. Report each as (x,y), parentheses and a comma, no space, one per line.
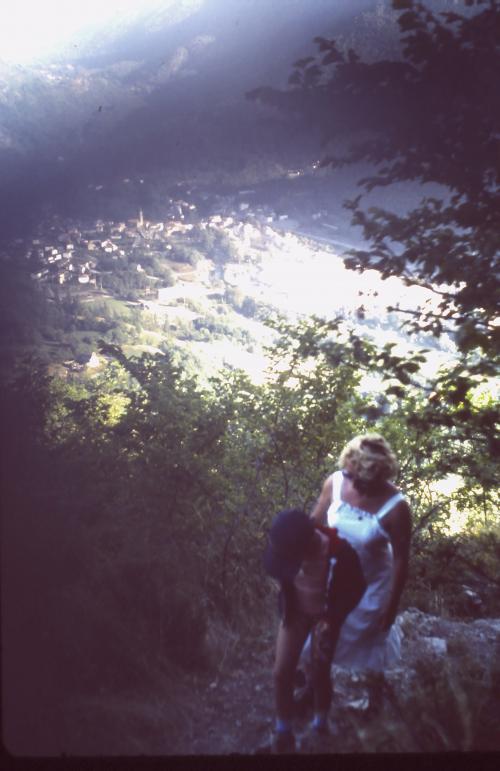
(398,525)
(318,514)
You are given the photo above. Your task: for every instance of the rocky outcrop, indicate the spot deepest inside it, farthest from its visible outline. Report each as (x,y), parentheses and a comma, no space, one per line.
(444,694)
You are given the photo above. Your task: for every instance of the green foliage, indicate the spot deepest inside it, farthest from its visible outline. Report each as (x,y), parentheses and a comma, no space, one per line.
(186,253)
(471,566)
(21,305)
(244,304)
(211,326)
(124,280)
(138,501)
(216,244)
(158,267)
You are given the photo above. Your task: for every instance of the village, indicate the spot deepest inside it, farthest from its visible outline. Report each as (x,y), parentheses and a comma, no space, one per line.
(202,276)
(67,253)
(202,263)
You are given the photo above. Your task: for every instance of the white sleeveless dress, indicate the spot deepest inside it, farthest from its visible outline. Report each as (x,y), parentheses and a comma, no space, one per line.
(361,644)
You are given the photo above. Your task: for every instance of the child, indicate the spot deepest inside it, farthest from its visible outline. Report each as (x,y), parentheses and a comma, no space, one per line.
(316,596)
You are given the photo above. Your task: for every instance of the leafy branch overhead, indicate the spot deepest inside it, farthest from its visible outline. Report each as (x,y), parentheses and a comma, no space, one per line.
(431,115)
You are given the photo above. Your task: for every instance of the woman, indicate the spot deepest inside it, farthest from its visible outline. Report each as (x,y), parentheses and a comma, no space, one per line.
(361,501)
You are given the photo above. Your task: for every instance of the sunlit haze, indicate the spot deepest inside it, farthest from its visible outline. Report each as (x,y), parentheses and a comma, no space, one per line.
(34,29)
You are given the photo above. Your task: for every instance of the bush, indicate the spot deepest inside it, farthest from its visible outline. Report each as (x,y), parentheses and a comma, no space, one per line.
(472,562)
(186,254)
(449,707)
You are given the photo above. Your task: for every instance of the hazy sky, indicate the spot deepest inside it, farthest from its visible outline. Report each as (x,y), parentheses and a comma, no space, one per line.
(31,29)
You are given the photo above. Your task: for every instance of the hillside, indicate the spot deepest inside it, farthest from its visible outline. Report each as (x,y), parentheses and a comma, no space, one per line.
(163,88)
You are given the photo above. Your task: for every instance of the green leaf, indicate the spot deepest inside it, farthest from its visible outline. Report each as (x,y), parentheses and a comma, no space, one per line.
(395,390)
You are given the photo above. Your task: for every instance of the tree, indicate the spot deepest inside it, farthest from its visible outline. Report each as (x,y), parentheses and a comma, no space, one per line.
(431,116)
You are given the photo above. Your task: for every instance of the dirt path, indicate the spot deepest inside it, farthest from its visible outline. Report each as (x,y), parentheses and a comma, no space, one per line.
(444,696)
(235,714)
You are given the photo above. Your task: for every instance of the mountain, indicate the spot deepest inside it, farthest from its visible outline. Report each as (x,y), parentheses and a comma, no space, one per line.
(161,89)
(164,85)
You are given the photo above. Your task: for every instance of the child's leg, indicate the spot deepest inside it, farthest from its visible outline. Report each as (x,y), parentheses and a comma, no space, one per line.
(289,644)
(324,640)
(304,662)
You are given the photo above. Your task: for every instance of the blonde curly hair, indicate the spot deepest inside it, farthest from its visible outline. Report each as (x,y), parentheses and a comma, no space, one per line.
(370,459)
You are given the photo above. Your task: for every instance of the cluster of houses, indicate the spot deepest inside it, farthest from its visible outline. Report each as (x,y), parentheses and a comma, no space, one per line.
(79,256)
(75,253)
(69,253)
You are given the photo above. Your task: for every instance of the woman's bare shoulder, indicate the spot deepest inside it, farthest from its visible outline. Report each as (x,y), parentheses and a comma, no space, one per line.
(328,484)
(399,517)
(319,511)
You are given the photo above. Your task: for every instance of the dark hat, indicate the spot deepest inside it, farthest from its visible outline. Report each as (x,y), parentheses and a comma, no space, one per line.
(289,537)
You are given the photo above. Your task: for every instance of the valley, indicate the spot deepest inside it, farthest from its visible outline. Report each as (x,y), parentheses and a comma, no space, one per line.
(202,272)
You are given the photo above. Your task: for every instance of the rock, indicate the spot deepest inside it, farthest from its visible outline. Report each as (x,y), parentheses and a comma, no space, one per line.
(359,705)
(411,622)
(435,645)
(488,624)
